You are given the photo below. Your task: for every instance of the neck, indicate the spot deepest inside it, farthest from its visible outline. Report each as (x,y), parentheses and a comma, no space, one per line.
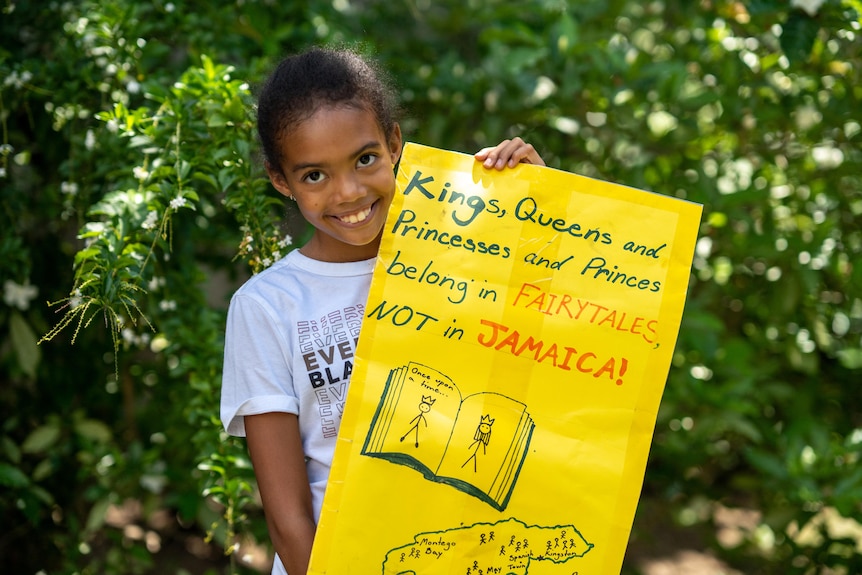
(344,253)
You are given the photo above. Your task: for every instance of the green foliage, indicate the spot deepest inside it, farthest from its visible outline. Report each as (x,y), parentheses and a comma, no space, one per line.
(133,200)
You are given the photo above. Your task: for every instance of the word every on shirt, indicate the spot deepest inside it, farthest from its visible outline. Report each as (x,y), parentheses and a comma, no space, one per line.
(321,363)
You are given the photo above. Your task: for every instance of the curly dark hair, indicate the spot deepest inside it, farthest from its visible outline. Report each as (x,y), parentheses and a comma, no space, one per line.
(304,82)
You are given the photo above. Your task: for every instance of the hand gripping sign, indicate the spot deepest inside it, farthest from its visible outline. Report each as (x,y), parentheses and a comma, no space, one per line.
(515,346)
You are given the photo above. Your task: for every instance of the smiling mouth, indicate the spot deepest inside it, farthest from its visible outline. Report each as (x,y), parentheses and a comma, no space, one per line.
(356,217)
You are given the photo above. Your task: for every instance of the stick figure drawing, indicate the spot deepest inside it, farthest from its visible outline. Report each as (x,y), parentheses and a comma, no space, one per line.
(424,407)
(480,439)
(424,422)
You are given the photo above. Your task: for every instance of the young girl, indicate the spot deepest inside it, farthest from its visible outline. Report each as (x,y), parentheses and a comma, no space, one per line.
(327,124)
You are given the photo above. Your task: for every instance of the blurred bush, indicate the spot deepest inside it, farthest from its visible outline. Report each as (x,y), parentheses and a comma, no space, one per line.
(133,203)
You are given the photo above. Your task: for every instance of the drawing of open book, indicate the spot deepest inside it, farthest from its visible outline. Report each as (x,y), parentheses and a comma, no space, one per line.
(476,443)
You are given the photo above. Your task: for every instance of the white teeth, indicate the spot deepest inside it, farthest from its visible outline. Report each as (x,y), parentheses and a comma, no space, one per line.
(357,217)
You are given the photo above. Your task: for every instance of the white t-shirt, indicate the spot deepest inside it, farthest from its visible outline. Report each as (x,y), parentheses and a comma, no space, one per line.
(289,347)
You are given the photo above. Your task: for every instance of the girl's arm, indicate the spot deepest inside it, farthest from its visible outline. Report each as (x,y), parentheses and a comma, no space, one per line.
(279,463)
(509,153)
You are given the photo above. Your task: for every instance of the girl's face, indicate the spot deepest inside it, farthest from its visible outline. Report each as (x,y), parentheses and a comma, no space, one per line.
(338,165)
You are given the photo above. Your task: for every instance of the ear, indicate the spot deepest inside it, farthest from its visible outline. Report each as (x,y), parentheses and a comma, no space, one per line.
(278,180)
(395,143)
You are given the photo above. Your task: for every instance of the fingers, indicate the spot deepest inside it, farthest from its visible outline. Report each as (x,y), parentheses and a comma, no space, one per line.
(509,153)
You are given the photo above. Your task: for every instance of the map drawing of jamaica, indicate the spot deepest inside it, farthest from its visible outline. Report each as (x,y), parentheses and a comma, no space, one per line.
(476,444)
(508,547)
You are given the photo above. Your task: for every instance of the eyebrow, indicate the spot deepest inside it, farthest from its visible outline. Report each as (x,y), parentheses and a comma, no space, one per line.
(370,145)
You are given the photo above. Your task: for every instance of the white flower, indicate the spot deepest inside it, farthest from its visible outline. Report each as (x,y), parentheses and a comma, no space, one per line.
(153,483)
(90,140)
(661,122)
(266,262)
(566,125)
(6,149)
(19,295)
(151,221)
(140,173)
(76,299)
(827,156)
(285,241)
(167,305)
(811,7)
(14,79)
(70,188)
(544,88)
(178,202)
(2,172)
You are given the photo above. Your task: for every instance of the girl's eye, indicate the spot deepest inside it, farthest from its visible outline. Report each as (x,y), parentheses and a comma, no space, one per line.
(313,177)
(366,160)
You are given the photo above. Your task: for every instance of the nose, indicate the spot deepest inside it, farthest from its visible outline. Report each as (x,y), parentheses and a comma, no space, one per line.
(350,187)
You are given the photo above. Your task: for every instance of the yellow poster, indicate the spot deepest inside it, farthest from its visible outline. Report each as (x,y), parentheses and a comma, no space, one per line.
(516,342)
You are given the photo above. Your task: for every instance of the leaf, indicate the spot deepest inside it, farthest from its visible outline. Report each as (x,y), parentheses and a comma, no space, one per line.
(214,490)
(94,430)
(10,449)
(205,178)
(767,463)
(717,219)
(43,470)
(849,486)
(209,68)
(760,7)
(183,169)
(798,36)
(216,121)
(25,343)
(566,30)
(850,358)
(139,141)
(226,177)
(97,515)
(41,438)
(42,495)
(155,91)
(11,476)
